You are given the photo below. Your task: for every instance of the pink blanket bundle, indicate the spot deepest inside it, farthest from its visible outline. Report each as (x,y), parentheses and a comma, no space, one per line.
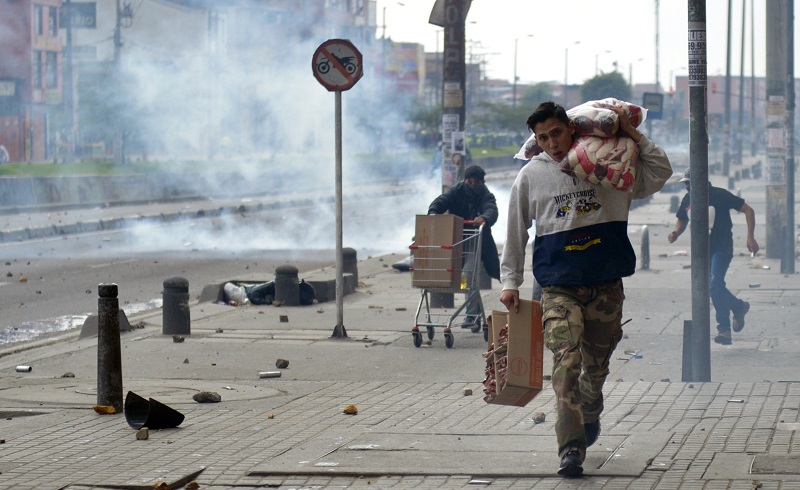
(597,154)
(604,161)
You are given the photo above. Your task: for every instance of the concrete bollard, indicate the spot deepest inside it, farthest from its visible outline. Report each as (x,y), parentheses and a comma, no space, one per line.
(674,204)
(645,252)
(287,286)
(109,355)
(175,310)
(350,262)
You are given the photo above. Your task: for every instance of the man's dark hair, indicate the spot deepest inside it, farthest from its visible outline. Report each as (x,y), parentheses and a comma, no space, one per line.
(474,172)
(545,111)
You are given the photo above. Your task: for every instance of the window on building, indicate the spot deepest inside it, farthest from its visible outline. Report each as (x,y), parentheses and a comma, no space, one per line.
(52,69)
(37,69)
(38,19)
(52,21)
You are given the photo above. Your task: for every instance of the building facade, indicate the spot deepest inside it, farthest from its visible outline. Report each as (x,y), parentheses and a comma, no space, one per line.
(30,75)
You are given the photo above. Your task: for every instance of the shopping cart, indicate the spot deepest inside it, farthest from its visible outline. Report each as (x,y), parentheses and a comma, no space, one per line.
(470,313)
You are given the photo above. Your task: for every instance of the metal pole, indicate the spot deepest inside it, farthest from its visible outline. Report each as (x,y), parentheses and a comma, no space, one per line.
(726,143)
(657,60)
(339,330)
(787,262)
(453,102)
(775,164)
(698,194)
(69,99)
(566,80)
(753,143)
(740,130)
(109,356)
(514,96)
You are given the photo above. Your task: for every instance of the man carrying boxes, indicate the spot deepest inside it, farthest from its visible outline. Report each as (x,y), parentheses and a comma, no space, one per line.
(581,254)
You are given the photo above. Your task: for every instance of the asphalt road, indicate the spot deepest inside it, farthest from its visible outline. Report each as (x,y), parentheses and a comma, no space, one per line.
(51,284)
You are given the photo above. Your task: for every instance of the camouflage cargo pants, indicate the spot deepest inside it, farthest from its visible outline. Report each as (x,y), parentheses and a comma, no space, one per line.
(582,327)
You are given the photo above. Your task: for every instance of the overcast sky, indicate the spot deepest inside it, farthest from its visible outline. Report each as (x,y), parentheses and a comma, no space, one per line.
(546,33)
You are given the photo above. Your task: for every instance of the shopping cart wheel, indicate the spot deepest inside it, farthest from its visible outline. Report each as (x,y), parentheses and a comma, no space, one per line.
(417,337)
(448,339)
(431,332)
(486,332)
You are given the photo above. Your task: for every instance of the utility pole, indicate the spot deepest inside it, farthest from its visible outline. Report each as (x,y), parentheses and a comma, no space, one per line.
(649,121)
(514,96)
(699,350)
(119,138)
(740,130)
(214,130)
(452,15)
(787,259)
(658,63)
(775,169)
(69,84)
(726,144)
(753,143)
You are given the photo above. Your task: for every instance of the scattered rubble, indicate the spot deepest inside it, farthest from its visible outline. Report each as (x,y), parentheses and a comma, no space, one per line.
(207,397)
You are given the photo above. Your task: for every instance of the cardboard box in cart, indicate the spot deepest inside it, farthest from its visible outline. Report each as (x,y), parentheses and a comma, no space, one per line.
(525,351)
(434,266)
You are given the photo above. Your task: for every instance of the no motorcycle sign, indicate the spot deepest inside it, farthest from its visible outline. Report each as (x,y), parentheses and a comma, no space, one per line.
(337,65)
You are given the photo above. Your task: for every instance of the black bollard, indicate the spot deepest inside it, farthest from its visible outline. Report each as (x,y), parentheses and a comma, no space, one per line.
(109,356)
(350,262)
(175,310)
(645,251)
(287,287)
(674,204)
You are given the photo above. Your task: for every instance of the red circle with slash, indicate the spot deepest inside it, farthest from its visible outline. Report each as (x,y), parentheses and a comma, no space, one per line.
(337,65)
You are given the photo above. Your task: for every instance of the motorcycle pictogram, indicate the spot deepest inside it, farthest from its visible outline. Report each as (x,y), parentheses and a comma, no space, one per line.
(324,66)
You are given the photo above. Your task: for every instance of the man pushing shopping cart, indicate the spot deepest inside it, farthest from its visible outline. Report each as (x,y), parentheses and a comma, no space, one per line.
(471,201)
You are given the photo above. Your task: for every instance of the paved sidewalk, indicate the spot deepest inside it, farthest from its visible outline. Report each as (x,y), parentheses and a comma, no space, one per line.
(416,426)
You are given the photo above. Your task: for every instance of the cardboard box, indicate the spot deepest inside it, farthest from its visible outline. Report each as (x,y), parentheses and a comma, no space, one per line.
(525,353)
(434,266)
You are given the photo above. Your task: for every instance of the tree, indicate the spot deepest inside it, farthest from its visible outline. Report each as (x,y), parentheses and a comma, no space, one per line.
(541,92)
(606,85)
(498,117)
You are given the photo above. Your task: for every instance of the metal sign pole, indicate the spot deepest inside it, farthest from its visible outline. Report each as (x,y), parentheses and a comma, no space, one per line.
(339,330)
(337,65)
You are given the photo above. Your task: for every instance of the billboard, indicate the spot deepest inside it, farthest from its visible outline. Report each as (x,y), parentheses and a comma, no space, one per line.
(82,15)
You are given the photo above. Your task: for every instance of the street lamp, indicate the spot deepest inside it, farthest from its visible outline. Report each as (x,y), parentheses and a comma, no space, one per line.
(630,71)
(671,85)
(596,57)
(566,68)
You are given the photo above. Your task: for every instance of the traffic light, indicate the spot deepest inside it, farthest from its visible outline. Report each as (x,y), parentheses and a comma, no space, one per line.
(713,87)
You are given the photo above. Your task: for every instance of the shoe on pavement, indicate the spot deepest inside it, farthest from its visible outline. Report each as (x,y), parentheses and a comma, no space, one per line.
(571,465)
(738,319)
(470,322)
(723,338)
(592,431)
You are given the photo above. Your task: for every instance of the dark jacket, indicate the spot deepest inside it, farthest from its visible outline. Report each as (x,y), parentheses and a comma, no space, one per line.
(723,201)
(458,201)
